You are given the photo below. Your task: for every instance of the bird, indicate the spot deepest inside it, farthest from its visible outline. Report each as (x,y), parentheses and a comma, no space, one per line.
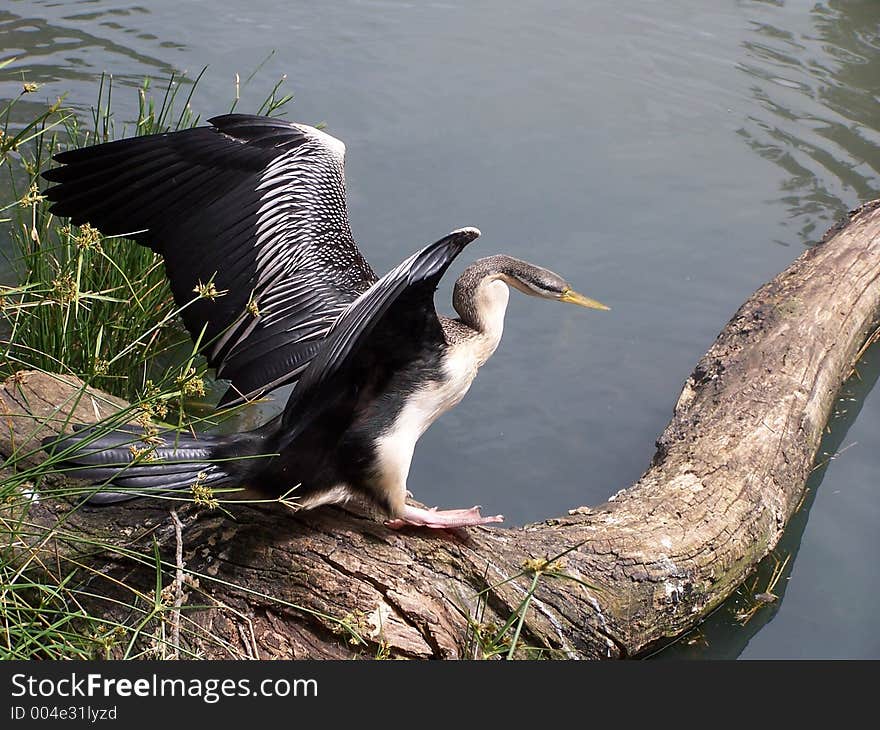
(256,206)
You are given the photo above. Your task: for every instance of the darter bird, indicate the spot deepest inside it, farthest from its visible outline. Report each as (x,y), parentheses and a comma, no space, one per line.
(256,206)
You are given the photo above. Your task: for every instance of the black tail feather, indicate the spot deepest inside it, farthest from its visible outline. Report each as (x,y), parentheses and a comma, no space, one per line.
(128,463)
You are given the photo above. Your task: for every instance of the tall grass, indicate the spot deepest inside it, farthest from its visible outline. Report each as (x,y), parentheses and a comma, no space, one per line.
(82,296)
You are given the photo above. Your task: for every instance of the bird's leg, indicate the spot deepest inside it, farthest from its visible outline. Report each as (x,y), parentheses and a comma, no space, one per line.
(441,519)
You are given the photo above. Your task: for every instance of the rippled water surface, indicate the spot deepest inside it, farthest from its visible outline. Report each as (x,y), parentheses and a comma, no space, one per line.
(666,157)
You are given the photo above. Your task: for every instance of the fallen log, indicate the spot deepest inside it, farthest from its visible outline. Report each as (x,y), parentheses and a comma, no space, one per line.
(603,581)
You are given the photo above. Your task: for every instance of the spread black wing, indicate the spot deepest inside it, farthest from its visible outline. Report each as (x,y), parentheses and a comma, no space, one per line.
(377,334)
(253,204)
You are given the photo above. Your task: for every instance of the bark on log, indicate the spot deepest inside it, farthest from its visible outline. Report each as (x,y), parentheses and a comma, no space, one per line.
(728,473)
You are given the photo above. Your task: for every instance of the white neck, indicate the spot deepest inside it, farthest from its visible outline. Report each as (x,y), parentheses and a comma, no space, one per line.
(490,306)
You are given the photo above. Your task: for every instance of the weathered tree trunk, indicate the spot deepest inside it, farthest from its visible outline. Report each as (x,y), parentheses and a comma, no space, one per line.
(650,563)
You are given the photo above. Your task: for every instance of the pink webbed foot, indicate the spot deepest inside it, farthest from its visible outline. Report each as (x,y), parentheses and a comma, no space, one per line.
(441,519)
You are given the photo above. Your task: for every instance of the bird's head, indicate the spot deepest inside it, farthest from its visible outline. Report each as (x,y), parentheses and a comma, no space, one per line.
(481,292)
(539,282)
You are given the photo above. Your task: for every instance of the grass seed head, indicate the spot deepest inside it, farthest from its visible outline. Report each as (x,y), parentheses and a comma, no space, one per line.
(88,238)
(208,291)
(32,197)
(142,453)
(191,384)
(64,289)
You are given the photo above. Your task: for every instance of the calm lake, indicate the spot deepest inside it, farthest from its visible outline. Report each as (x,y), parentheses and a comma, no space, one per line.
(666,157)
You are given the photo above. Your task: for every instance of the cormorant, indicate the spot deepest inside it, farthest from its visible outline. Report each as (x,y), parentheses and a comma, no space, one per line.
(256,206)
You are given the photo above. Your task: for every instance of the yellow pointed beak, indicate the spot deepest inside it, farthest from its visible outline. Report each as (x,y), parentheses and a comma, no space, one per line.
(572,297)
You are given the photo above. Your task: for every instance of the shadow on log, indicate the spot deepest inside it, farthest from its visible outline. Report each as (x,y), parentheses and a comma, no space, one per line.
(646,565)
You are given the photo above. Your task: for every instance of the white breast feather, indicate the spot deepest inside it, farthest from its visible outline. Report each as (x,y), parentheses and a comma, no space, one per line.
(395,448)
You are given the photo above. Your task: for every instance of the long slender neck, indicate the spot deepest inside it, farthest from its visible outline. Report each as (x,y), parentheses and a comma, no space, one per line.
(481,294)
